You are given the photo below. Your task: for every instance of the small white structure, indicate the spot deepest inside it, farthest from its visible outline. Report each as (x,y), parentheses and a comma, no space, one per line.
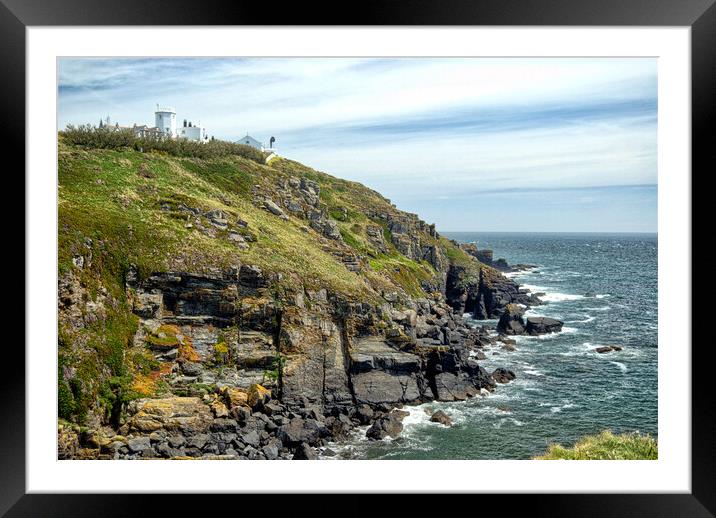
(165,118)
(248,140)
(191,131)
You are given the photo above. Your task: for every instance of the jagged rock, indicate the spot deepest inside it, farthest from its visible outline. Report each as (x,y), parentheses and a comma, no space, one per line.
(608,348)
(327,227)
(304,452)
(300,430)
(219,409)
(139,444)
(274,209)
(293,206)
(178,414)
(252,277)
(543,325)
(257,396)
(234,397)
(364,414)
(389,425)
(502,375)
(191,368)
(441,417)
(511,321)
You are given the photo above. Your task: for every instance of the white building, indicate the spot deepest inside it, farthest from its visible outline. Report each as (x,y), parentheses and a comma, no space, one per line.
(191,131)
(248,140)
(165,118)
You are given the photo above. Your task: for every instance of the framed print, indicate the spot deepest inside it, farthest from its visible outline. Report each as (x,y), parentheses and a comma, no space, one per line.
(434,240)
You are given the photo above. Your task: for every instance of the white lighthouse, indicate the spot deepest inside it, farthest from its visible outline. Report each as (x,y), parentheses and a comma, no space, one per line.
(166,120)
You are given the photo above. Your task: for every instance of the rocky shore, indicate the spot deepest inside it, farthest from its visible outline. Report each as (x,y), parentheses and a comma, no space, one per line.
(343,364)
(234,310)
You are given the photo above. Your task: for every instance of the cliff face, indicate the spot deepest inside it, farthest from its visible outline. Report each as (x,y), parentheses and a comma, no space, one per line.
(215,289)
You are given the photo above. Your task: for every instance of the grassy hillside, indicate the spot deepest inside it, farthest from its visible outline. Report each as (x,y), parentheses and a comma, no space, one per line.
(120,205)
(606,446)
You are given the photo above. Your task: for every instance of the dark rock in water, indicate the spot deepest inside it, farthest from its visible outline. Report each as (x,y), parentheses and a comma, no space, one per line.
(502,375)
(590,295)
(507,346)
(441,417)
(304,452)
(608,348)
(543,325)
(511,321)
(364,414)
(389,425)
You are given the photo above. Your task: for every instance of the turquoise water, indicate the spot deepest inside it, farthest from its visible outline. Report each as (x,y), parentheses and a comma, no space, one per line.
(564,389)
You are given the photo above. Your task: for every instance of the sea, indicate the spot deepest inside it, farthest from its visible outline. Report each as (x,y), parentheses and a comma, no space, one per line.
(604,288)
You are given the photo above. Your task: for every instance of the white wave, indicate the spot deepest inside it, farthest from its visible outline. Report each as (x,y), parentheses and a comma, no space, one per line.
(559,297)
(602,296)
(600,308)
(589,318)
(621,366)
(511,420)
(534,372)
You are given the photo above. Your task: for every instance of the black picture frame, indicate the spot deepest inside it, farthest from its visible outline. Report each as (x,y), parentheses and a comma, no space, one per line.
(699,15)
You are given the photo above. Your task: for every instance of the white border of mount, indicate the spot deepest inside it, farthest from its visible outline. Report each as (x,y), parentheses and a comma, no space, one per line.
(671,473)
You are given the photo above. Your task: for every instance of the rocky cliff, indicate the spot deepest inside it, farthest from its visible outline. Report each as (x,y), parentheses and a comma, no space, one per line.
(222,307)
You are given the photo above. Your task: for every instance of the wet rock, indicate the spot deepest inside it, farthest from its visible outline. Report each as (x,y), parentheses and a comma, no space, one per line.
(608,348)
(502,375)
(300,430)
(543,325)
(511,321)
(389,425)
(304,452)
(441,417)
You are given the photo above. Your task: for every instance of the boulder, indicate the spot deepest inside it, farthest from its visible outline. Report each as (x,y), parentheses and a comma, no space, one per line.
(273,208)
(300,430)
(304,452)
(257,396)
(608,348)
(234,397)
(511,321)
(441,417)
(180,414)
(543,325)
(389,425)
(139,444)
(502,375)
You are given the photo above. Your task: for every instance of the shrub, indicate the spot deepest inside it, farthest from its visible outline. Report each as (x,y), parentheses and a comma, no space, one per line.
(606,446)
(112,138)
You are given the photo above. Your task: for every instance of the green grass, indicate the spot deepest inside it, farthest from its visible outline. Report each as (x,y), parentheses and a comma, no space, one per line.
(120,207)
(606,446)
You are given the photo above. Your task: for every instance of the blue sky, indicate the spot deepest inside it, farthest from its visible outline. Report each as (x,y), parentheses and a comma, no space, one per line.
(472,144)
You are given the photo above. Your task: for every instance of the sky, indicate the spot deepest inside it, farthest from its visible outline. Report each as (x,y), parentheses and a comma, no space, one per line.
(471,144)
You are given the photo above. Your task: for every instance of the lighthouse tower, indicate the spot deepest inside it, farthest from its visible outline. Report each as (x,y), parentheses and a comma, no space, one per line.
(166,120)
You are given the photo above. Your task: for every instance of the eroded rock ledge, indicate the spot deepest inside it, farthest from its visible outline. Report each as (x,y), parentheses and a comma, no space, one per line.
(249,377)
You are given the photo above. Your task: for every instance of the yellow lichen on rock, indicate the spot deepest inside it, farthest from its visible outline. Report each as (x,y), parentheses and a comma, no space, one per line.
(234,397)
(257,393)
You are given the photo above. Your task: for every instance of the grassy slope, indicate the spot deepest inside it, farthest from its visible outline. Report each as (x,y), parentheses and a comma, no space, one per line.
(606,446)
(116,196)
(126,203)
